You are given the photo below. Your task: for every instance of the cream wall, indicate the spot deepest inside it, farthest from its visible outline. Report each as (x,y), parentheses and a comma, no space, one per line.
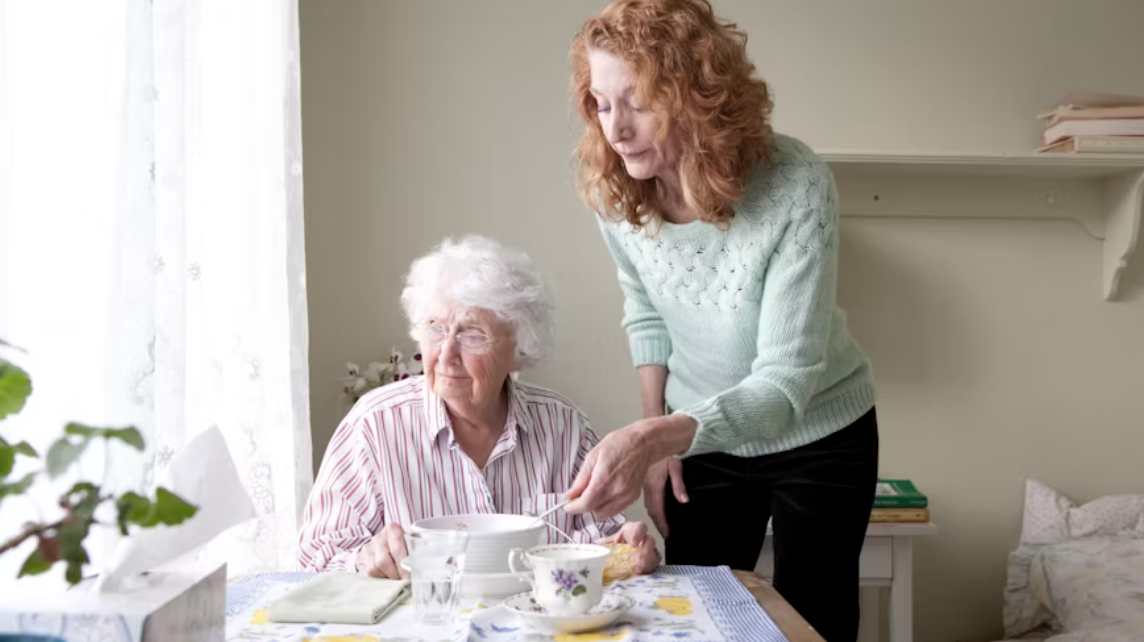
(995,357)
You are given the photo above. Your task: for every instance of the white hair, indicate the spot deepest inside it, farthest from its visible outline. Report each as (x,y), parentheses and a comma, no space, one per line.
(478,272)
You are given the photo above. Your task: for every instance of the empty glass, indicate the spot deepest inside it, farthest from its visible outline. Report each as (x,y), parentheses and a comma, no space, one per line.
(435,562)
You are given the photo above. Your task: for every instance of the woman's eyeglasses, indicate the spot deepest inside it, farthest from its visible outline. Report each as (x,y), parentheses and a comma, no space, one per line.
(470,340)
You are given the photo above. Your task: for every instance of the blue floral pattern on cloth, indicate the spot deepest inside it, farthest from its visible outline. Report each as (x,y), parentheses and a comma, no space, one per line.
(698,604)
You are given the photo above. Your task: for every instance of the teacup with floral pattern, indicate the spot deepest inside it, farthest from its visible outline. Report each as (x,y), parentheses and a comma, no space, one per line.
(566,579)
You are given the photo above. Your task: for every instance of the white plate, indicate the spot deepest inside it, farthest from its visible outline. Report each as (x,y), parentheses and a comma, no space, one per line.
(610,609)
(488,585)
(493,586)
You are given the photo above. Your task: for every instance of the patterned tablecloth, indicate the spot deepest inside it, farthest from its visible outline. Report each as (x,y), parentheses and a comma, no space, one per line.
(676,603)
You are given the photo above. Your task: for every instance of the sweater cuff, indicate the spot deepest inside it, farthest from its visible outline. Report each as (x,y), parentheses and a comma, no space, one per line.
(650,351)
(709,421)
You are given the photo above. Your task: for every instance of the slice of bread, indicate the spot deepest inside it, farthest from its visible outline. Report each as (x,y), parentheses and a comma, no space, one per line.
(621,563)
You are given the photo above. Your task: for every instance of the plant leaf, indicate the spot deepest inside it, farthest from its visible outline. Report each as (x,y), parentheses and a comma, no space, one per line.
(74,573)
(81,487)
(71,536)
(170,509)
(129,436)
(133,509)
(34,565)
(17,488)
(7,460)
(62,454)
(579,590)
(84,509)
(25,449)
(15,388)
(80,430)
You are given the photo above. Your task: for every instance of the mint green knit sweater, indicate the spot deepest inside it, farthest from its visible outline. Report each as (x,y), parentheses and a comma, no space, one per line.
(745,319)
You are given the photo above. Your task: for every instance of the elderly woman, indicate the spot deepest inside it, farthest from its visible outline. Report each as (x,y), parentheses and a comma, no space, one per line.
(464,437)
(757,402)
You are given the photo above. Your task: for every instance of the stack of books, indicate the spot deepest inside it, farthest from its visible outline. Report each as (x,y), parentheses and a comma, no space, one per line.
(899,501)
(1094,123)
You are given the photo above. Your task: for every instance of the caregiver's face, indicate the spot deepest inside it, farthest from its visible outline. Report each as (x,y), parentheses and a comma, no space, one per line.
(631,128)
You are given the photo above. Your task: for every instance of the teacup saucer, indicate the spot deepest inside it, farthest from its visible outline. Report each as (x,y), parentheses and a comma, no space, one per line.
(610,609)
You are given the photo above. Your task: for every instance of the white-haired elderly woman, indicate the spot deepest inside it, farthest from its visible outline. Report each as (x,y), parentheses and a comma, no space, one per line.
(465,437)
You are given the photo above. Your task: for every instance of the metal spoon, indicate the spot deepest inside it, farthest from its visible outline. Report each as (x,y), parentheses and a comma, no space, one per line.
(551,510)
(540,518)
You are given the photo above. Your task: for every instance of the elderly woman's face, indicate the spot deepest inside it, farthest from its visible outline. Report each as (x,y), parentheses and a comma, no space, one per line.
(631,128)
(468,356)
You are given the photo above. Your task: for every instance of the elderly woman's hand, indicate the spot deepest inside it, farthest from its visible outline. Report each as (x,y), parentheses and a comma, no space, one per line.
(613,473)
(635,534)
(382,555)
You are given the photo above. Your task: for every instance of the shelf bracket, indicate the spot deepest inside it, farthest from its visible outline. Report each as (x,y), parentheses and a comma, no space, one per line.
(1124,203)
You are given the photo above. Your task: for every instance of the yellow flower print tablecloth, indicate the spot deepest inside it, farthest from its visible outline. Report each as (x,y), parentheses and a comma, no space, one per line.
(696,604)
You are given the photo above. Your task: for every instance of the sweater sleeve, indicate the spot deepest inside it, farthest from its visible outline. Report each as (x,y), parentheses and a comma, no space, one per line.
(647,333)
(797,305)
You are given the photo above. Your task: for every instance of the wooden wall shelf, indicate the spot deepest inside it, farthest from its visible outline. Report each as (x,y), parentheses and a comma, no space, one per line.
(1102,193)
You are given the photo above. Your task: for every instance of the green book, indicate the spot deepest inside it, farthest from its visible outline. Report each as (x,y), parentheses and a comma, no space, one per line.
(898,493)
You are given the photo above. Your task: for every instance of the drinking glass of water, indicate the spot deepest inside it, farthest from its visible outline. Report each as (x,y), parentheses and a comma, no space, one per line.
(435,562)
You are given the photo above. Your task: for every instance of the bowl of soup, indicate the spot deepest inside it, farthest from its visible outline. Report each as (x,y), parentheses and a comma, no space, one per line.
(491,536)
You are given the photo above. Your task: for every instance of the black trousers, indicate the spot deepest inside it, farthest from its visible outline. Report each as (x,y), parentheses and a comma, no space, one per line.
(820,496)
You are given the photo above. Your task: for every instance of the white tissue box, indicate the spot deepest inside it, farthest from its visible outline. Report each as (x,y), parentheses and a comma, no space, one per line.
(162,606)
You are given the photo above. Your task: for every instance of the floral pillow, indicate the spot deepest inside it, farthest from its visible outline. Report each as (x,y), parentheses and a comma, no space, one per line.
(1051,518)
(1093,585)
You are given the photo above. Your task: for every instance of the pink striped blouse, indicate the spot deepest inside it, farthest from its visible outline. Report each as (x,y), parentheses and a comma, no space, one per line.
(393,459)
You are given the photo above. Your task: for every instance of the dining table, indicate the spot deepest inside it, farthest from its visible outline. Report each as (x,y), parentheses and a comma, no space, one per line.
(680,602)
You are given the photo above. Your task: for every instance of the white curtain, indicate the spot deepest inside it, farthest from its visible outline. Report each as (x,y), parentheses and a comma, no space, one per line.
(151,242)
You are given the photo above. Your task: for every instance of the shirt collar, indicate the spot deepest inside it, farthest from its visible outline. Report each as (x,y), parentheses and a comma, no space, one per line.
(437,415)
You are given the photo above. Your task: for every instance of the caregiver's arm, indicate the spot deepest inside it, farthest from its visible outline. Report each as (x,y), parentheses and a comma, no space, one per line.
(653,380)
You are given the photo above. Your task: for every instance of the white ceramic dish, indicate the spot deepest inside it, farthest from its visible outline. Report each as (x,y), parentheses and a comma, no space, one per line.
(491,537)
(493,586)
(610,609)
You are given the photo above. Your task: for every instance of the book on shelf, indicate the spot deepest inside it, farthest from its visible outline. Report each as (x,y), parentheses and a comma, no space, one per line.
(1082,105)
(899,493)
(1097,113)
(1093,123)
(1096,127)
(1097,145)
(900,516)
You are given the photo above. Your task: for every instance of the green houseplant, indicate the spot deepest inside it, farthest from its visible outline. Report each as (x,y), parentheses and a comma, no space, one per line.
(61,540)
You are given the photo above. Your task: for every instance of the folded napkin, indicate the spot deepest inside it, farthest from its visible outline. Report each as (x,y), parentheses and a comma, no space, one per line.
(340,598)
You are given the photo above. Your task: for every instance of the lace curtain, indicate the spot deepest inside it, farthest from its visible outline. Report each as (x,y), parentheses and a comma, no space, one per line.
(151,243)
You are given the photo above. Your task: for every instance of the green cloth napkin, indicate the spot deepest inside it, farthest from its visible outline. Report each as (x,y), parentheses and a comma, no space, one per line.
(340,598)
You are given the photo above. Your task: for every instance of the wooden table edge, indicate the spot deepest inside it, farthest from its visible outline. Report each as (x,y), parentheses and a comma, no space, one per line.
(792,625)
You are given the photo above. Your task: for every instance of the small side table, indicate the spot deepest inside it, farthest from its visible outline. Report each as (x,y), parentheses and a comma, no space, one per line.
(887,561)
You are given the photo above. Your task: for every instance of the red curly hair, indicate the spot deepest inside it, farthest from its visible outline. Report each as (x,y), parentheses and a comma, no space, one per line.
(693,69)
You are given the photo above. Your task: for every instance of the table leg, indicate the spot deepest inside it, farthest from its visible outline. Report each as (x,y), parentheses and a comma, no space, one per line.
(902,591)
(870,629)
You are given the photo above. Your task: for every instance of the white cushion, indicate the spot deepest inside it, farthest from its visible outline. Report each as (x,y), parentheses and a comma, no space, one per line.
(1051,517)
(1093,585)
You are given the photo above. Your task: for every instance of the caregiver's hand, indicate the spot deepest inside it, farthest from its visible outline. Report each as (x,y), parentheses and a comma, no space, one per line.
(613,473)
(382,555)
(655,486)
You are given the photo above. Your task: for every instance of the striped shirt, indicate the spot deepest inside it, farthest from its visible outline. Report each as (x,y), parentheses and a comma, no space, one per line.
(394,459)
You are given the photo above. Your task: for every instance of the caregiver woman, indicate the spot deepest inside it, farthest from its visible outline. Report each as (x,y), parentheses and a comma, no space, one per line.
(757,403)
